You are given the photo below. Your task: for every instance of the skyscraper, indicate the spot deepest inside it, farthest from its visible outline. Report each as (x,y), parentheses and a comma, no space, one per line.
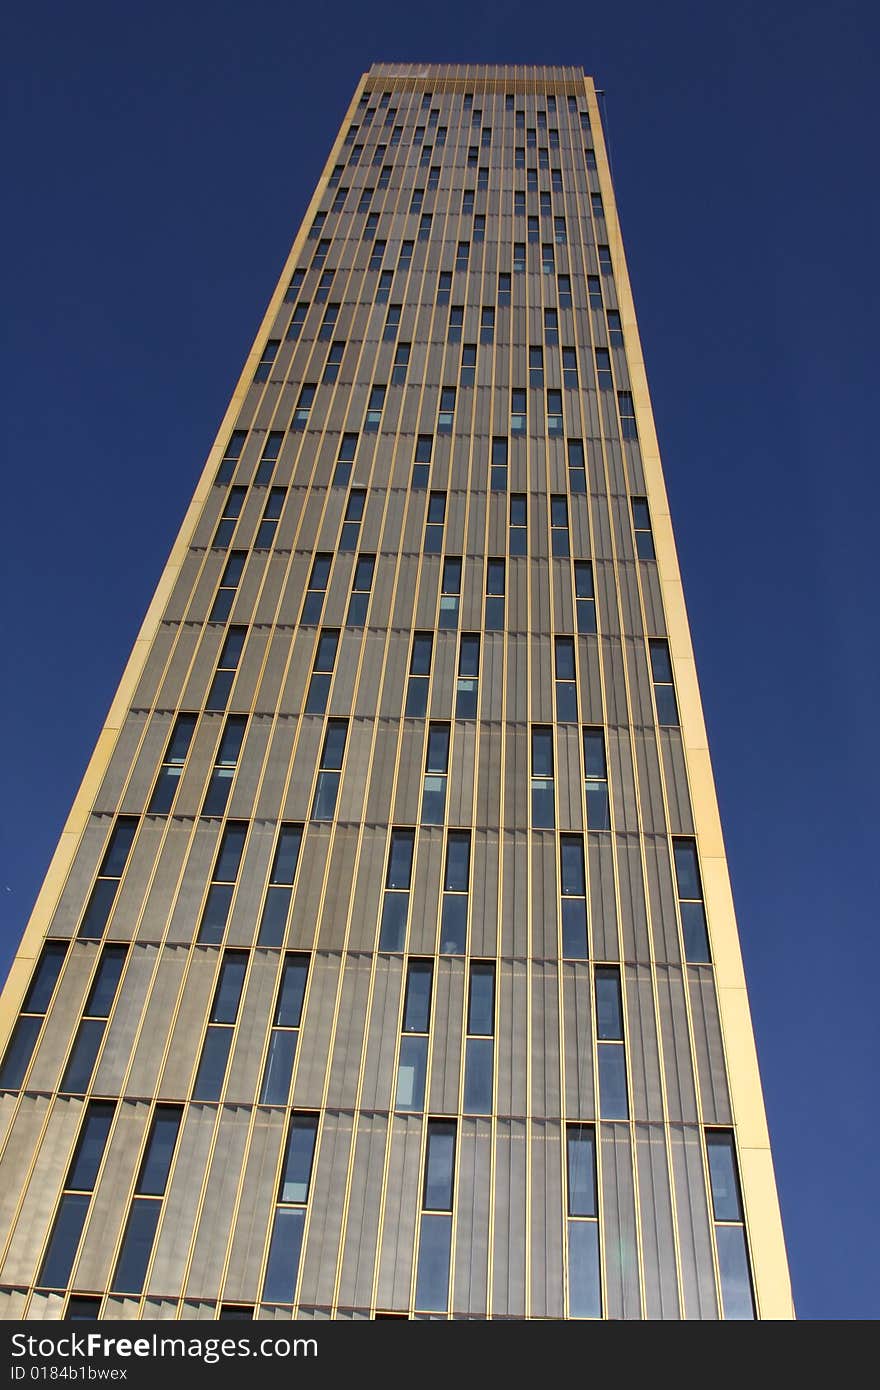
(387,964)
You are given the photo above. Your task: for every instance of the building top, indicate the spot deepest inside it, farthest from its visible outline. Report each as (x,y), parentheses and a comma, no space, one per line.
(518,78)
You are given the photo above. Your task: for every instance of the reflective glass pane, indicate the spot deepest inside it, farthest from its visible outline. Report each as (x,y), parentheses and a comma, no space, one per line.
(439,1166)
(432,1280)
(216,912)
(298,1159)
(137,1246)
(287,854)
(661,666)
(90,1146)
(598,811)
(613,1104)
(325,796)
(279,1066)
(357,610)
(645,545)
(453,924)
(581,1171)
(667,709)
(64,1241)
(417,697)
(543,807)
(168,779)
(479,1061)
(98,910)
(586,615)
(458,858)
(434,801)
(19,1052)
(417,1011)
(411,1073)
(392,933)
(594,753)
(609,1010)
(542,753)
(43,983)
(420,661)
(584,1287)
(212,1067)
(722,1172)
(438,748)
(481,1001)
(230,743)
(78,1072)
(160,1150)
(274,920)
(334,744)
(284,1251)
(218,791)
(686,869)
(565,659)
(400,859)
(103,991)
(566,702)
(574,928)
(318,693)
(229,985)
(733,1264)
(118,848)
(696,936)
(288,1010)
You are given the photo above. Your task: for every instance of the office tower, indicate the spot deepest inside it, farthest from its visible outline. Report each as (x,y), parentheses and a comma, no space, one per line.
(387,965)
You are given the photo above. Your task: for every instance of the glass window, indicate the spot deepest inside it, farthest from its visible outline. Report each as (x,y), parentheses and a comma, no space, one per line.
(42,985)
(298,1158)
(156,1164)
(90,1146)
(458,854)
(291,991)
(584,1281)
(542,752)
(450,591)
(518,537)
(498,469)
(642,528)
(478,1076)
(664,689)
(412,1071)
(273,924)
(481,999)
(137,1246)
(581,1148)
(103,991)
(400,859)
(730,1238)
(212,1067)
(64,1241)
(495,590)
(690,896)
(432,1279)
(596,778)
(417,1009)
(722,1171)
(439,1165)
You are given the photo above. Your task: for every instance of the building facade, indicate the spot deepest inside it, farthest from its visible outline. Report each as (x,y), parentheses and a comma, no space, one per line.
(387,964)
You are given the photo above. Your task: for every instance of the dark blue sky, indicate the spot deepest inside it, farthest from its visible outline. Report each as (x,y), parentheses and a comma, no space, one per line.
(159,160)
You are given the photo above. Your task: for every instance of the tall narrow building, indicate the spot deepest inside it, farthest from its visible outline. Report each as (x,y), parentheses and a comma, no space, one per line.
(387,964)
